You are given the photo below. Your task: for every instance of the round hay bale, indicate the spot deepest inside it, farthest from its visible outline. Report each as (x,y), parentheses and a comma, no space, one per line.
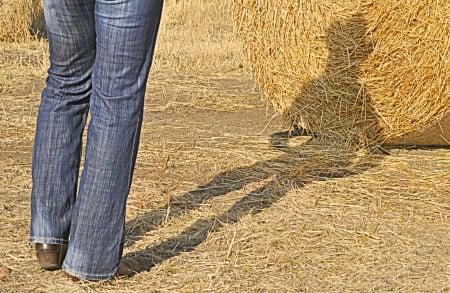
(353,71)
(20,19)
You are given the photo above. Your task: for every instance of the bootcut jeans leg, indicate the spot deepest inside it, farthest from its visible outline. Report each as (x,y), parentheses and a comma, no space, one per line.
(125,35)
(61,118)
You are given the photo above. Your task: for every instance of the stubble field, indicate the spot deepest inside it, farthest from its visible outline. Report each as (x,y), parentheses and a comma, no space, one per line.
(222,200)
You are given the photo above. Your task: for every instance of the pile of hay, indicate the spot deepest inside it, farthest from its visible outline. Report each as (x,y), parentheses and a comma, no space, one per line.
(20,19)
(353,71)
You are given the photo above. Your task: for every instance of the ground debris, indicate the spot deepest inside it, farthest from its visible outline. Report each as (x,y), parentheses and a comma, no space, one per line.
(4,273)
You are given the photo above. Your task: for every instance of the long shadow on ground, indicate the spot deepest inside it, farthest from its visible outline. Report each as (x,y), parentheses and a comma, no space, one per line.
(294,168)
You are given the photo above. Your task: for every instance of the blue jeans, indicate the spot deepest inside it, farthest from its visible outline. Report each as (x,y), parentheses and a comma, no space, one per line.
(100,57)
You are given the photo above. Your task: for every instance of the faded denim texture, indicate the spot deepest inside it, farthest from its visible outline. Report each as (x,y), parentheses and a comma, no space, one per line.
(100,56)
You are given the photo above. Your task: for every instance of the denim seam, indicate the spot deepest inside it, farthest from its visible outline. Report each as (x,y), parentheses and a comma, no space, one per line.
(48,240)
(134,148)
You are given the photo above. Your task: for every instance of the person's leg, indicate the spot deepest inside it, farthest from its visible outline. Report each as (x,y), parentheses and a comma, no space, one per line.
(126,35)
(61,118)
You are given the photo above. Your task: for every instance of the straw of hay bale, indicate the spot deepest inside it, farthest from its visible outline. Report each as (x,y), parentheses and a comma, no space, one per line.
(353,71)
(20,19)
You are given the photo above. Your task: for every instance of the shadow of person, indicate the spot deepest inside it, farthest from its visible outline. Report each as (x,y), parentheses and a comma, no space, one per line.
(295,167)
(336,105)
(222,184)
(338,93)
(37,26)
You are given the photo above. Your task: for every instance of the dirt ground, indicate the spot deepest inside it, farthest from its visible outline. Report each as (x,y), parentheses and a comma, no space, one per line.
(223,201)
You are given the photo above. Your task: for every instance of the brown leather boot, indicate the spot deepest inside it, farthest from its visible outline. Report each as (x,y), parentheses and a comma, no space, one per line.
(50,256)
(127,268)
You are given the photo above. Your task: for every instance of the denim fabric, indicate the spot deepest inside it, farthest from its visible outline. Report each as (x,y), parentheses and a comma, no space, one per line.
(100,57)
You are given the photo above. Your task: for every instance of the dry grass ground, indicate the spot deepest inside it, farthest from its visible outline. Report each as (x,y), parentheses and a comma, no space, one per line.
(222,201)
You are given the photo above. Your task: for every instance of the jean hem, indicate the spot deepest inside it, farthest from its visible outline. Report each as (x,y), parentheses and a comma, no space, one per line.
(48,240)
(89,277)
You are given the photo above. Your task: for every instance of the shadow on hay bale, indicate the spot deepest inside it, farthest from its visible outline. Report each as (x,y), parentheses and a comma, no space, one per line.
(37,28)
(338,94)
(354,72)
(296,167)
(21,20)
